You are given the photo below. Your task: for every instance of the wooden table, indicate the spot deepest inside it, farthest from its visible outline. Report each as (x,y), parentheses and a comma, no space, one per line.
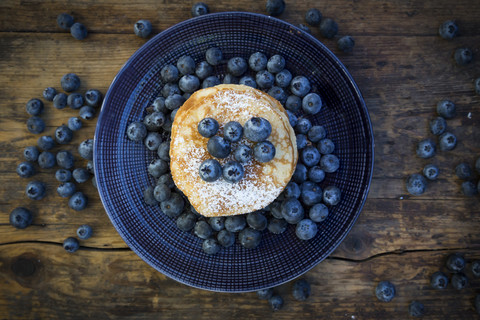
(400,64)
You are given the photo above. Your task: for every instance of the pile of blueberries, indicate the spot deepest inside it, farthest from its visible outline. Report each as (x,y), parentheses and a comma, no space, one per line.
(256,130)
(42,156)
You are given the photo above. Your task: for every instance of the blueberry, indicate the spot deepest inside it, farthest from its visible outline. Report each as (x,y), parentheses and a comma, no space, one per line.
(250,238)
(71,244)
(203,70)
(311,193)
(45,142)
(303,126)
(477,86)
(152,141)
(464,171)
(426,148)
(199,9)
(292,190)
(63,134)
(186,65)
(35,190)
(49,93)
(218,147)
(78,31)
(233,131)
(455,262)
(448,30)
(416,309)
(35,125)
(265,79)
(173,207)
(34,107)
(313,17)
(60,100)
(438,126)
(70,82)
(463,56)
(312,103)
(75,100)
(331,195)
(329,163)
(136,131)
(283,79)
(154,120)
(416,184)
(276,301)
(292,210)
(243,153)
(446,109)
(63,175)
(74,123)
(257,220)
(214,56)
(169,73)
(277,226)
(276,208)
(459,281)
(476,268)
(301,290)
(448,141)
(210,81)
(278,94)
(430,171)
(265,294)
(208,127)
(163,151)
(233,171)
(306,229)
(385,291)
(81,175)
(166,179)
(142,28)
(65,159)
(161,192)
(275,7)
(318,212)
(157,167)
(237,66)
(210,246)
(310,156)
(189,83)
(300,86)
(257,61)
(90,167)
(93,97)
(46,160)
(326,146)
(186,221)
(305,28)
(317,133)
(477,303)
(235,223)
(346,44)
(210,170)
(66,189)
(248,81)
(21,217)
(85,149)
(65,21)
(328,28)
(276,63)
(257,129)
(316,174)
(469,188)
(226,238)
(87,113)
(217,223)
(78,201)
(31,153)
(148,196)
(439,280)
(293,103)
(167,126)
(84,232)
(25,169)
(202,229)
(264,151)
(292,118)
(302,141)
(300,173)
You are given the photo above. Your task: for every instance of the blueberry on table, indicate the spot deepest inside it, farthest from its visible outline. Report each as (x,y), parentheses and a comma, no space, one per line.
(235,223)
(35,190)
(476,268)
(318,212)
(71,244)
(464,171)
(78,31)
(202,229)
(226,238)
(283,79)
(65,21)
(60,100)
(264,151)
(346,44)
(65,159)
(306,229)
(257,61)
(81,175)
(25,169)
(21,217)
(328,28)
(63,134)
(416,184)
(45,142)
(313,17)
(477,303)
(446,109)
(477,86)
(237,66)
(208,127)
(93,97)
(87,113)
(75,100)
(46,160)
(189,83)
(265,294)
(70,82)
(463,56)
(455,262)
(233,171)
(426,148)
(431,171)
(276,302)
(84,232)
(301,290)
(257,220)
(292,210)
(300,86)
(214,56)
(275,7)
(186,221)
(85,149)
(211,246)
(250,238)
(173,207)
(448,141)
(416,309)
(34,107)
(385,291)
(257,129)
(186,65)
(243,153)
(439,280)
(233,131)
(63,175)
(35,125)
(438,126)
(142,28)
(448,30)
(199,9)
(78,201)
(31,153)
(459,281)
(332,195)
(66,189)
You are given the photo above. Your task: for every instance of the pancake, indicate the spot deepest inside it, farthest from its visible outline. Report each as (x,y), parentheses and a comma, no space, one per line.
(262,182)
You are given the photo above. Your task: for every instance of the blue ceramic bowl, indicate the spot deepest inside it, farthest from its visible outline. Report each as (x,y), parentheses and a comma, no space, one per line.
(121,165)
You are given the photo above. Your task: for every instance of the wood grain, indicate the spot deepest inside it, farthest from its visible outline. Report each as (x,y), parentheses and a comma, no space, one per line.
(402,67)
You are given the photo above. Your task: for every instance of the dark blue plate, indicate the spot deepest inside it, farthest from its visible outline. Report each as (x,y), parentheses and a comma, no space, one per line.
(120,165)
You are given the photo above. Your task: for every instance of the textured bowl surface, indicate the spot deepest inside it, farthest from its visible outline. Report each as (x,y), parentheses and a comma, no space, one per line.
(121,165)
